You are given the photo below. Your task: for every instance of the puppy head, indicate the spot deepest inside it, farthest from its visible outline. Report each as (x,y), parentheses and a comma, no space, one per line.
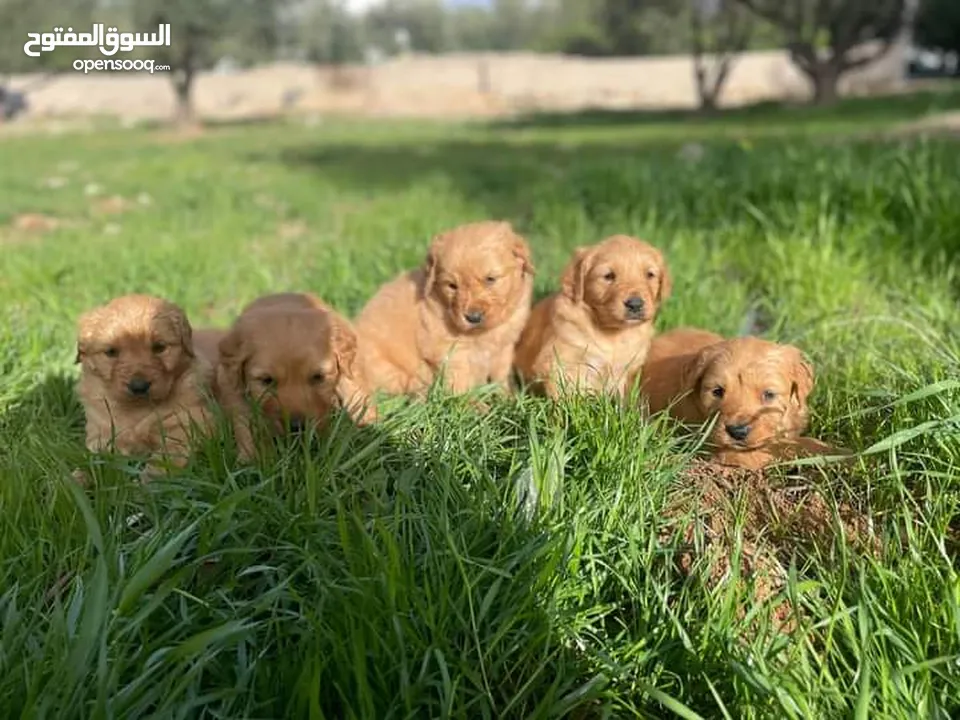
(479,273)
(137,346)
(758,388)
(622,280)
(289,361)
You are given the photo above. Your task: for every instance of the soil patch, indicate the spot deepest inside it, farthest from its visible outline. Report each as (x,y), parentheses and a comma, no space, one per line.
(718,510)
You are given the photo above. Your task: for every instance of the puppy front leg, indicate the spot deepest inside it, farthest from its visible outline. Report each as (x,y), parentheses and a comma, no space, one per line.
(246,450)
(458,377)
(356,401)
(501,367)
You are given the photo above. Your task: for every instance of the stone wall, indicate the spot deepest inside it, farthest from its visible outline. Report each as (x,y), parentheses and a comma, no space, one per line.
(466,85)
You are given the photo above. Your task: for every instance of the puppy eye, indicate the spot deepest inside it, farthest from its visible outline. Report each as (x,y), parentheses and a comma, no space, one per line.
(317,378)
(769,396)
(452,285)
(651,274)
(610,276)
(266,380)
(158,347)
(718,392)
(490,279)
(111,352)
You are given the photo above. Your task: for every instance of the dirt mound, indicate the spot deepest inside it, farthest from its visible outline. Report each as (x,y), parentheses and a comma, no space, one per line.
(719,512)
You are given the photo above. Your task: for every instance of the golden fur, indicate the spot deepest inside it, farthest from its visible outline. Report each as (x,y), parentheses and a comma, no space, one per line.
(759,390)
(418,324)
(141,385)
(295,357)
(206,342)
(586,337)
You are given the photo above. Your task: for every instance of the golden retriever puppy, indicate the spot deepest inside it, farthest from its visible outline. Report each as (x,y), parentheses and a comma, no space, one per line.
(594,334)
(758,389)
(141,385)
(206,344)
(459,315)
(294,357)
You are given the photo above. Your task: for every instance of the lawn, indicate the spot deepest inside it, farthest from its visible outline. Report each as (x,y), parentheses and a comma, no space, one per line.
(390,572)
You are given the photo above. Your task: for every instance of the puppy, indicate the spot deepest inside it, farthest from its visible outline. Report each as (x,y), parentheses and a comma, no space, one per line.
(595,333)
(141,384)
(293,356)
(206,342)
(758,389)
(460,313)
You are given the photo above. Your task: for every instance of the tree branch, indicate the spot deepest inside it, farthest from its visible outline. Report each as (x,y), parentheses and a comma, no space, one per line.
(852,64)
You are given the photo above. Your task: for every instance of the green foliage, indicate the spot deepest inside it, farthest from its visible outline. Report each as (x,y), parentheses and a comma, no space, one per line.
(20,17)
(938,25)
(204,30)
(386,573)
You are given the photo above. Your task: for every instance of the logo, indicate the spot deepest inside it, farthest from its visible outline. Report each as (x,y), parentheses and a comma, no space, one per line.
(109,42)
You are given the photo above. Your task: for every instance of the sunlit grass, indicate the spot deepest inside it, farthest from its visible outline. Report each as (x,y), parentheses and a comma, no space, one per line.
(407,570)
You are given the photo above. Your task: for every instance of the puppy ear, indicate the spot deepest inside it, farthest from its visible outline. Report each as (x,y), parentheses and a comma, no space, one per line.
(575,273)
(693,370)
(521,251)
(666,281)
(233,357)
(343,344)
(430,263)
(184,330)
(86,331)
(800,372)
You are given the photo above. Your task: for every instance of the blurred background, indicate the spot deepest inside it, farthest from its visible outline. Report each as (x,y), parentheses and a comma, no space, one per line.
(256,59)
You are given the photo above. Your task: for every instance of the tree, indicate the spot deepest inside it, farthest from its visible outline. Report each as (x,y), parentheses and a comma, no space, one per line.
(198,29)
(424,22)
(720,29)
(826,38)
(938,26)
(18,18)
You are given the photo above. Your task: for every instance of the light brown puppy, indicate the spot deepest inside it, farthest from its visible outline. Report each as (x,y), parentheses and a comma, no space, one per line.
(141,385)
(594,334)
(757,388)
(293,356)
(461,313)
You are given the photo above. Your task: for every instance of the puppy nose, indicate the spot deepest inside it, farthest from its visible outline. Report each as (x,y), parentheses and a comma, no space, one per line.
(738,432)
(138,386)
(634,304)
(297,424)
(474,317)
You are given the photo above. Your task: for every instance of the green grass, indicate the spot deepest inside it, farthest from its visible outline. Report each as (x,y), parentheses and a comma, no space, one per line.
(388,573)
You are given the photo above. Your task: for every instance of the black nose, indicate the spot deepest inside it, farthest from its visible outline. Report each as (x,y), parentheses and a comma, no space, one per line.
(138,386)
(634,304)
(738,432)
(474,317)
(297,424)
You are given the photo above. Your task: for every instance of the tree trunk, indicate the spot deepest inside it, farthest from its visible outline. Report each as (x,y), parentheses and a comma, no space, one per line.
(710,86)
(183,86)
(708,103)
(825,78)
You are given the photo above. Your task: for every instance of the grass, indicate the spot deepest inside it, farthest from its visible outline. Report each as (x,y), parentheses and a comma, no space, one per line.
(389,572)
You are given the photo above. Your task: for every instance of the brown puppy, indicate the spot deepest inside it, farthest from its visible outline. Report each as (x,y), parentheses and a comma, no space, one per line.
(141,384)
(594,334)
(758,389)
(206,344)
(295,357)
(461,313)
